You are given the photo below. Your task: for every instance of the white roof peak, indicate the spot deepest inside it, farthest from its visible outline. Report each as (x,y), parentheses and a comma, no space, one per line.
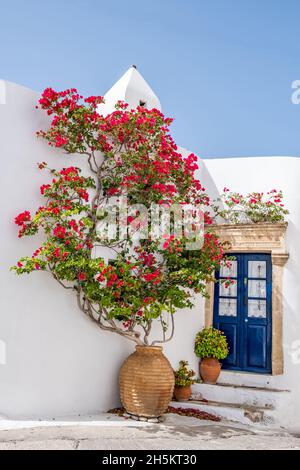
(133,89)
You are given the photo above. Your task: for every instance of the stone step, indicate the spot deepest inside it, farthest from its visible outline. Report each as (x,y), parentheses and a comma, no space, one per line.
(231,411)
(247,379)
(248,396)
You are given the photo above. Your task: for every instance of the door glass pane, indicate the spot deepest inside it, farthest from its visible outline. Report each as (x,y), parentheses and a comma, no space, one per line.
(257,289)
(230,291)
(257,269)
(227,307)
(257,308)
(229,271)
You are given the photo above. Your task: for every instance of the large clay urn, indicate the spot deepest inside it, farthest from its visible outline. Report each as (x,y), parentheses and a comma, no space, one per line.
(210,369)
(146,382)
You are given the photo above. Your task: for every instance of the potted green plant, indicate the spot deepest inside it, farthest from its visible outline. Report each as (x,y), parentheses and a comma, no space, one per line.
(184,378)
(211,346)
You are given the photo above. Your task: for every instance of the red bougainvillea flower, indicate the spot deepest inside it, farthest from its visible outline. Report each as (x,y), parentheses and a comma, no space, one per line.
(60,141)
(83,194)
(42,165)
(167,242)
(254,207)
(23,217)
(44,188)
(94,100)
(152,276)
(130,153)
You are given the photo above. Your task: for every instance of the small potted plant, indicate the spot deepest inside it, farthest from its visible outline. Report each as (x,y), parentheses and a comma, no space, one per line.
(211,346)
(184,378)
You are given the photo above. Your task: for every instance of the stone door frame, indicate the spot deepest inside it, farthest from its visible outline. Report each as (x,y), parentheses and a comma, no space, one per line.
(258,238)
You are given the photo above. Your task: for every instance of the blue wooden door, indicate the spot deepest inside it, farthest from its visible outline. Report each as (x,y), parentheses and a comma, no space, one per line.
(244,312)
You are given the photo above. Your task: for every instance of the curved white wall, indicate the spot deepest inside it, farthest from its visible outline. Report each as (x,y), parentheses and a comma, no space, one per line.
(53,360)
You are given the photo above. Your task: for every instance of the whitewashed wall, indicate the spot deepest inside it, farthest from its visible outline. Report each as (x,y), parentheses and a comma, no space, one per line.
(53,361)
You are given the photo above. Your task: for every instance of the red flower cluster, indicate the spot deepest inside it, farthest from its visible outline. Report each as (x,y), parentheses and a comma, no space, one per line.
(22,218)
(70,173)
(83,194)
(94,100)
(167,242)
(190,163)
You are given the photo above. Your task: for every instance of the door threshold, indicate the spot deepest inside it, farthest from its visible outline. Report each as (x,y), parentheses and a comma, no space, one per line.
(252,379)
(247,372)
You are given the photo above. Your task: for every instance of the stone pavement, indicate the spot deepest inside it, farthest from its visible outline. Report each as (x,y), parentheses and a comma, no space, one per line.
(109,432)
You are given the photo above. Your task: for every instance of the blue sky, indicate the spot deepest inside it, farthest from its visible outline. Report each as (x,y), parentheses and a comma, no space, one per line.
(222,68)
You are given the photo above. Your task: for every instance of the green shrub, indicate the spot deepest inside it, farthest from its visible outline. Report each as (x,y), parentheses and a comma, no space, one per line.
(210,342)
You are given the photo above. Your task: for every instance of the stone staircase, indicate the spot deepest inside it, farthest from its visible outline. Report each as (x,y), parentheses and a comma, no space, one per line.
(242,404)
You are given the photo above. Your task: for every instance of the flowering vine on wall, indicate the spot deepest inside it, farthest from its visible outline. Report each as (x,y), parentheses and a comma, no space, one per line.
(255,207)
(130,153)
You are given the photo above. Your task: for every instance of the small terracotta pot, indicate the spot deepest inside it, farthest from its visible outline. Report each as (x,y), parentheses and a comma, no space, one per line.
(146,382)
(183,393)
(210,369)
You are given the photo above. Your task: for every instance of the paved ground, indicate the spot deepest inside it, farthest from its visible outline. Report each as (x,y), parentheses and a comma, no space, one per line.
(108,432)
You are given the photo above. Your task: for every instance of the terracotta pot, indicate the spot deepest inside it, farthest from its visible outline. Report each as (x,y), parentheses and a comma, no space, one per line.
(146,382)
(210,369)
(183,393)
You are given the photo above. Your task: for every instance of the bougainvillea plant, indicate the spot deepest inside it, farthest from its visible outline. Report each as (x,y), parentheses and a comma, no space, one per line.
(254,207)
(211,342)
(128,153)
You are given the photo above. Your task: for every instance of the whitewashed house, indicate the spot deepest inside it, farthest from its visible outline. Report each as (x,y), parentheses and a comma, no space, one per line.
(54,362)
